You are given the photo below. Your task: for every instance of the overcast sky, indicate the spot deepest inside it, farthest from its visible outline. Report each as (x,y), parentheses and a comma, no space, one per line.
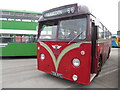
(105,10)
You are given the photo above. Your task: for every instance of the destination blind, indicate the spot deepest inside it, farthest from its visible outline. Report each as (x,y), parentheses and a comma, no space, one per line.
(60,11)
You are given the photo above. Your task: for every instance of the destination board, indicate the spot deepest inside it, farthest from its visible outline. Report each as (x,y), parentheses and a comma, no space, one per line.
(60,11)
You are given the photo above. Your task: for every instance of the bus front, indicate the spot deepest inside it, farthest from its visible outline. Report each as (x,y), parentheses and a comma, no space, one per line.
(64,47)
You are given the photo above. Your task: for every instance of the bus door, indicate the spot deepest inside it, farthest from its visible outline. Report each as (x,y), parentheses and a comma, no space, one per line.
(94,49)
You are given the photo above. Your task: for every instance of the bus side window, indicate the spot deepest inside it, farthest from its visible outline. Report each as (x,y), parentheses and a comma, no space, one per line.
(7,38)
(32,39)
(106,34)
(18,39)
(101,34)
(25,39)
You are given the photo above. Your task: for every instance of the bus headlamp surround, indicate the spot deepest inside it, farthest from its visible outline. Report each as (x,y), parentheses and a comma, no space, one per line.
(42,56)
(76,62)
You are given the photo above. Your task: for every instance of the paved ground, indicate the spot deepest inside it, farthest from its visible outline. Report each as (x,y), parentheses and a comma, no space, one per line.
(23,73)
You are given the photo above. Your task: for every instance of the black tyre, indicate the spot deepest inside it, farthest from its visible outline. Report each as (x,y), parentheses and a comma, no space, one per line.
(108,54)
(99,66)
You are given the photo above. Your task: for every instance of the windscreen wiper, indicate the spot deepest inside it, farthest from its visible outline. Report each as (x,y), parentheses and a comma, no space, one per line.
(75,37)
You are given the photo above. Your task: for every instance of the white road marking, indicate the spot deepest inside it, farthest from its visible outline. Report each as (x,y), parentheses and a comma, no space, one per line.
(107,72)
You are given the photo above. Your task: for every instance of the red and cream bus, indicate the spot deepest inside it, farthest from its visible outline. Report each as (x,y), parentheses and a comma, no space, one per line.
(72,43)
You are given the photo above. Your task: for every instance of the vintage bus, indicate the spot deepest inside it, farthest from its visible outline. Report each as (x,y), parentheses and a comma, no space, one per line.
(115,41)
(18,33)
(72,43)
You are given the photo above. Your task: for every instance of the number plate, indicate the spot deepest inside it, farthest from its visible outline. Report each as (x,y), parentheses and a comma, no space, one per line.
(56,74)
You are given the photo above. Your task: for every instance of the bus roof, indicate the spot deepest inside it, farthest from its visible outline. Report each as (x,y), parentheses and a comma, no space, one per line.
(15,14)
(64,11)
(21,11)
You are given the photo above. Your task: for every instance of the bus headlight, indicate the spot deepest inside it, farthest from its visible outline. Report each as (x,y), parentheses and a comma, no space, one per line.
(75,77)
(42,56)
(76,62)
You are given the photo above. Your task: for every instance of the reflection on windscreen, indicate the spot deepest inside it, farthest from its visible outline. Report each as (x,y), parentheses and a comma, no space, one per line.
(69,29)
(48,32)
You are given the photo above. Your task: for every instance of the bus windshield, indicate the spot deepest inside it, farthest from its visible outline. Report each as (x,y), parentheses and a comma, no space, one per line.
(48,32)
(67,30)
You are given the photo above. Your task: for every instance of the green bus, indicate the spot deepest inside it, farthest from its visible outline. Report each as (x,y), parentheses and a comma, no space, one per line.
(18,32)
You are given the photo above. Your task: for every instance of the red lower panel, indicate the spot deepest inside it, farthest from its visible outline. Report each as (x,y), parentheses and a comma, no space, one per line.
(65,67)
